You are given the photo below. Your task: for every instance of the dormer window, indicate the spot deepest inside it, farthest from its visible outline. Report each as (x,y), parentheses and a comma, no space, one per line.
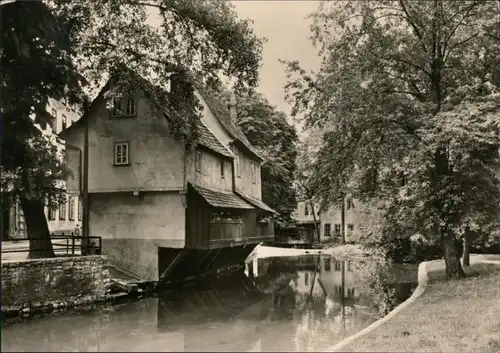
(124,107)
(53,121)
(64,122)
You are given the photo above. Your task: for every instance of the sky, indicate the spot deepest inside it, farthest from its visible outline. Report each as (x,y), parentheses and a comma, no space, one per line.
(287,31)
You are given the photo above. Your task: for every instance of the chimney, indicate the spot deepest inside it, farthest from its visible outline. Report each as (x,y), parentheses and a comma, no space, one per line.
(232,108)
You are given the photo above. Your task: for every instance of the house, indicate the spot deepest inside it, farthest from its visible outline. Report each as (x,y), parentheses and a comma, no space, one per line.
(65,218)
(331,222)
(166,209)
(62,220)
(305,220)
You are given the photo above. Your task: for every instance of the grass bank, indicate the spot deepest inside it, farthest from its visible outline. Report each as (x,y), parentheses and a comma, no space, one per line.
(450,316)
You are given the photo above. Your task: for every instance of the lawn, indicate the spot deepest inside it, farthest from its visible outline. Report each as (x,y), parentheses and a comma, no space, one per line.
(451,316)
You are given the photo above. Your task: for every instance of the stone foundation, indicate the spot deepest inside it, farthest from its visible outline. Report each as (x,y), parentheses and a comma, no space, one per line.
(46,284)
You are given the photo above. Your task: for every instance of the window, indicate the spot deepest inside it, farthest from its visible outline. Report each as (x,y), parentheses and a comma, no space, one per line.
(130,107)
(328,264)
(337,229)
(52,214)
(222,169)
(350,292)
(62,211)
(80,209)
(306,278)
(53,120)
(254,173)
(350,204)
(349,269)
(350,228)
(122,153)
(238,164)
(337,265)
(198,161)
(71,210)
(327,229)
(123,107)
(306,210)
(116,109)
(64,122)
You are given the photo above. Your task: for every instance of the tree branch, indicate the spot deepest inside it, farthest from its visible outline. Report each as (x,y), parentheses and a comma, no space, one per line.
(413,25)
(419,96)
(459,44)
(452,32)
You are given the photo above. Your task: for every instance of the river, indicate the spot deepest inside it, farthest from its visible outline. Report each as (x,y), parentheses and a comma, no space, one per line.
(303,303)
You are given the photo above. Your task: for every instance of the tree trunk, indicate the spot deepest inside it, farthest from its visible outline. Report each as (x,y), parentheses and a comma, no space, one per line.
(342,221)
(452,258)
(316,226)
(466,250)
(37,229)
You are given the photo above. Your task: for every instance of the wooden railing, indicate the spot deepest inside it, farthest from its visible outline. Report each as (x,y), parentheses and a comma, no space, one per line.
(226,229)
(62,245)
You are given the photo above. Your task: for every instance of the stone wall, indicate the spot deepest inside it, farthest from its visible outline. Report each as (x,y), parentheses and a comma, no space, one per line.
(46,284)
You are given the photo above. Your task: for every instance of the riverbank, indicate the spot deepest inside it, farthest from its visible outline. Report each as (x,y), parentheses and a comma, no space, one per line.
(354,252)
(346,251)
(450,316)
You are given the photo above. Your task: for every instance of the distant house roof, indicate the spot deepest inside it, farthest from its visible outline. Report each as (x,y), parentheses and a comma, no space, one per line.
(221,199)
(160,97)
(223,115)
(256,203)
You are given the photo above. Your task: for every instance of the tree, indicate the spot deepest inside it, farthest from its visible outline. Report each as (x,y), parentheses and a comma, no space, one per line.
(35,66)
(276,140)
(44,54)
(305,163)
(409,90)
(205,38)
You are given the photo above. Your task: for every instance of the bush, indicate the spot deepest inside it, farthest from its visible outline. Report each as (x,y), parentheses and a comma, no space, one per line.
(404,249)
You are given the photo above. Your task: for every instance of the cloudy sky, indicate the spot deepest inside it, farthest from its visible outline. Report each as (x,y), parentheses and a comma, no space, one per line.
(284,25)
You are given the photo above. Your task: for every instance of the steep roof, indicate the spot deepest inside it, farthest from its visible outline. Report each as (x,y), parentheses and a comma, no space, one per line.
(223,115)
(175,116)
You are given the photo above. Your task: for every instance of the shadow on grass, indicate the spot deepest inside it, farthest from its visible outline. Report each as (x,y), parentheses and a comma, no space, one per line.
(475,270)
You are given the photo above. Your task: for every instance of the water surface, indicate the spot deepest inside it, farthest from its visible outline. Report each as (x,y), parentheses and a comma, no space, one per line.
(305,303)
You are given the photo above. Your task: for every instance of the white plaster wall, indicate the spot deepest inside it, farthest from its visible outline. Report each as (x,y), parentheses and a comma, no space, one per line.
(157,158)
(158,216)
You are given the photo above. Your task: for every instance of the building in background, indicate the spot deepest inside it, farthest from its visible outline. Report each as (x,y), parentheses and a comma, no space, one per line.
(304,219)
(329,221)
(65,218)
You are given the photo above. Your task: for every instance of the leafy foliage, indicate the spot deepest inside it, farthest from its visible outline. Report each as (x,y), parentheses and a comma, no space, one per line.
(407,97)
(205,38)
(35,66)
(275,139)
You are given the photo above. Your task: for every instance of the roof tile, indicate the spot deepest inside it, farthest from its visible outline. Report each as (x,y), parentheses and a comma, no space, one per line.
(224,117)
(257,203)
(221,199)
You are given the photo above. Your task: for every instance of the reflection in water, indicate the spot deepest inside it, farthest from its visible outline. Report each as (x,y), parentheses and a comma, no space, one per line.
(285,304)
